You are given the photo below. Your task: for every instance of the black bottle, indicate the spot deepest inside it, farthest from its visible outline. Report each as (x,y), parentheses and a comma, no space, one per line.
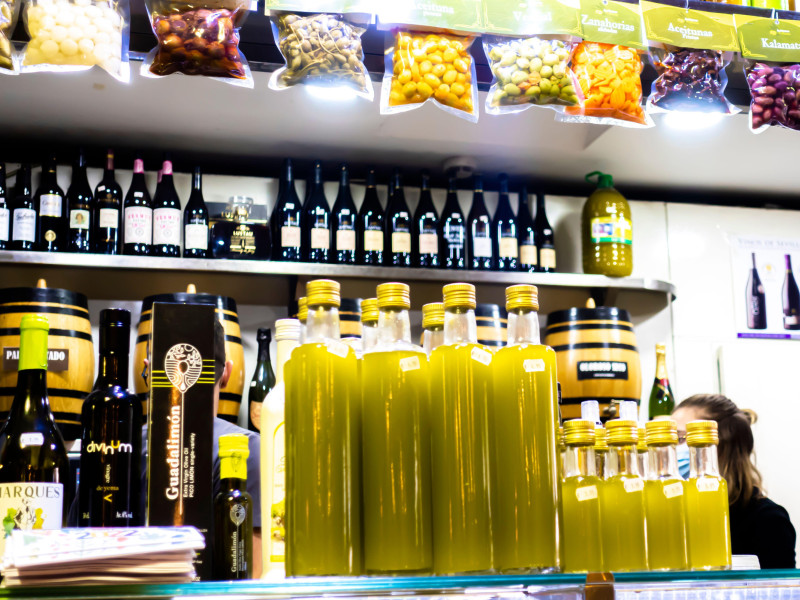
(5,211)
(286,219)
(263,381)
(426,228)
(397,241)
(51,207)
(233,512)
(166,215)
(344,217)
(81,208)
(526,236)
(195,221)
(371,221)
(107,234)
(545,240)
(504,234)
(317,221)
(138,215)
(23,212)
(452,230)
(479,231)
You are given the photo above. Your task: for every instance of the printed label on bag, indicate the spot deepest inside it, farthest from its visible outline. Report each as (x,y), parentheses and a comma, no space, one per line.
(410,363)
(672,490)
(373,241)
(611,230)
(109,218)
(588,492)
(633,485)
(707,484)
(482,356)
(533,365)
(50,205)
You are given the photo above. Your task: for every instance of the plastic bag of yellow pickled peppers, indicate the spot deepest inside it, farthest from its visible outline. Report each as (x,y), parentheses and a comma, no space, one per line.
(9,9)
(435,67)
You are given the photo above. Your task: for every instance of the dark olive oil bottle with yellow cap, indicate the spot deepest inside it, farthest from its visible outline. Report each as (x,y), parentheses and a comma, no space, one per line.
(607,230)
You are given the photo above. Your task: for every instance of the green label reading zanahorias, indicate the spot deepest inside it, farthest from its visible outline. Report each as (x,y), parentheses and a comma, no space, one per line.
(532,17)
(464,15)
(689,28)
(612,22)
(768,39)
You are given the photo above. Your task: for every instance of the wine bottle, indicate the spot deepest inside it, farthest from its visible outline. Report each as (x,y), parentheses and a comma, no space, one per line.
(504,234)
(109,494)
(51,206)
(263,380)
(371,220)
(5,211)
(479,231)
(23,212)
(81,207)
(195,220)
(526,235)
(138,209)
(166,215)
(108,211)
(545,240)
(662,400)
(233,512)
(426,228)
(756,299)
(453,230)
(317,217)
(791,298)
(33,461)
(344,221)
(285,219)
(398,225)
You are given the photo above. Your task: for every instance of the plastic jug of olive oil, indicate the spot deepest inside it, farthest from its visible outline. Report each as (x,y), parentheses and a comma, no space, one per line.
(606,230)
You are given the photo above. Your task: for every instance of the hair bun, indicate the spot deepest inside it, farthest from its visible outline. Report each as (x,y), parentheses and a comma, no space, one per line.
(751,415)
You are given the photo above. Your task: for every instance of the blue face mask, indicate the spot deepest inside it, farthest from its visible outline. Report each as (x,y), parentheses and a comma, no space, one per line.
(683,460)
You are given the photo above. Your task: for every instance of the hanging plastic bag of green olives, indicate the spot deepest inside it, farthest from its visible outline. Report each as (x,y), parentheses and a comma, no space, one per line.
(606,230)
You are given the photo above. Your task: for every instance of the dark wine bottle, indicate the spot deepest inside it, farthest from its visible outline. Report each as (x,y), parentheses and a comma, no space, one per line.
(371,221)
(195,221)
(526,235)
(111,435)
(756,299)
(545,240)
(108,211)
(23,212)
(263,380)
(34,472)
(504,234)
(286,219)
(51,206)
(479,231)
(426,228)
(397,240)
(233,512)
(81,208)
(5,211)
(662,400)
(317,221)
(138,208)
(791,298)
(344,219)
(453,230)
(166,215)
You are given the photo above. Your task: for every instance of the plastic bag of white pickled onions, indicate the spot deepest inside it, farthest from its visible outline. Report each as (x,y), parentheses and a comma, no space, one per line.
(9,9)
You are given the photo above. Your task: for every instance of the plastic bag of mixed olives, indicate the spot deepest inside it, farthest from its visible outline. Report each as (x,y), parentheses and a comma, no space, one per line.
(530,71)
(775,95)
(198,38)
(75,35)
(425,67)
(9,9)
(320,49)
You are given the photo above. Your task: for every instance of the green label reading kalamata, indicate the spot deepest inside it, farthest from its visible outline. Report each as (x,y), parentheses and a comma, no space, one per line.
(689,28)
(611,22)
(321,6)
(768,39)
(535,17)
(463,15)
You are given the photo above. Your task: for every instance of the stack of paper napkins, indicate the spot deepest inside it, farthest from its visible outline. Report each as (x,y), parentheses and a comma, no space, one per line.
(100,556)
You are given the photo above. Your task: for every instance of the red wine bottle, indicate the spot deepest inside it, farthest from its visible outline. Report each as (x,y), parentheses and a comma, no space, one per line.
(138,215)
(791,298)
(23,212)
(371,221)
(504,234)
(195,221)
(545,239)
(51,206)
(108,211)
(397,240)
(426,228)
(479,231)
(526,235)
(81,208)
(286,218)
(453,230)
(344,217)
(166,215)
(317,221)
(5,211)
(756,299)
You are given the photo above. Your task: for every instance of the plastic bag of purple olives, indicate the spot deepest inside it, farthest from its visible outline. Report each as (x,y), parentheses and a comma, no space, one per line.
(773,95)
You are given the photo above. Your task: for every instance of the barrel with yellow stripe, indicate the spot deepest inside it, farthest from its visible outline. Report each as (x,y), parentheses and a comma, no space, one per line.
(350,318)
(492,322)
(230,396)
(596,356)
(70,373)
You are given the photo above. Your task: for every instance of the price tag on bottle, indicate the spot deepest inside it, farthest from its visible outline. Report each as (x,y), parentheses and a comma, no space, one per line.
(482,356)
(410,363)
(707,484)
(588,492)
(31,439)
(533,365)
(338,349)
(671,490)
(633,485)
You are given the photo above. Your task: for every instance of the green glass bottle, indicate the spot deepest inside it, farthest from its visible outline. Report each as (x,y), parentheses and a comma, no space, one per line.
(233,512)
(662,400)
(607,230)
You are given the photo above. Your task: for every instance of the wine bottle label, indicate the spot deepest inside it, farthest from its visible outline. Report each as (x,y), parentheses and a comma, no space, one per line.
(588,492)
(633,485)
(167,226)
(24,226)
(27,505)
(547,258)
(791,320)
(401,242)
(138,225)
(508,247)
(482,247)
(290,236)
(320,238)
(673,490)
(50,205)
(454,237)
(195,237)
(346,240)
(611,230)
(109,218)
(428,243)
(255,412)
(373,241)
(79,219)
(5,219)
(527,255)
(278,521)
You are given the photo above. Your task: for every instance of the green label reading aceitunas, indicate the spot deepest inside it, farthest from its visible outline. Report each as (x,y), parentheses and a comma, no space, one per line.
(534,17)
(464,15)
(768,39)
(689,28)
(611,22)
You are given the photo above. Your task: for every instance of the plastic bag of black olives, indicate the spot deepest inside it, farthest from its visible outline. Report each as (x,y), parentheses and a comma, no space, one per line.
(9,10)
(774,94)
(198,38)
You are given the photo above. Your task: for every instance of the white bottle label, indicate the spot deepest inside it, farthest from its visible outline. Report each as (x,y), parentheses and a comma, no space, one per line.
(533,365)
(671,490)
(109,217)
(195,237)
(79,219)
(29,506)
(24,227)
(527,255)
(339,349)
(167,226)
(4,223)
(346,240)
(138,225)
(320,239)
(373,241)
(633,485)
(791,320)
(50,205)
(31,439)
(428,243)
(482,356)
(588,492)
(482,247)
(707,484)
(278,520)
(508,247)
(401,242)
(548,258)
(290,236)
(410,363)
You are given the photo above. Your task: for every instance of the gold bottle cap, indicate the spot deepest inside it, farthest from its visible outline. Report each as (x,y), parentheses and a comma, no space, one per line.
(641,445)
(369,310)
(702,433)
(622,431)
(600,438)
(662,432)
(323,292)
(302,309)
(432,315)
(394,295)
(459,295)
(522,296)
(579,432)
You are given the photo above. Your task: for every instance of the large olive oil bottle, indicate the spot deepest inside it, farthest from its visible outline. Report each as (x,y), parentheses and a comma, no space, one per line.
(607,230)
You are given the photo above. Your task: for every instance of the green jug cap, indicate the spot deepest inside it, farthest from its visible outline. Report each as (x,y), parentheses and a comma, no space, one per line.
(604,180)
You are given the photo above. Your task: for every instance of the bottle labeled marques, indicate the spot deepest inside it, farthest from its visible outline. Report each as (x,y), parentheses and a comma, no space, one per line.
(370,225)
(233,512)
(23,212)
(426,228)
(526,235)
(285,219)
(545,240)
(138,215)
(756,299)
(5,212)
(195,221)
(317,217)
(398,225)
(453,230)
(479,231)
(504,232)
(81,208)
(107,235)
(263,380)
(111,435)
(344,218)
(166,215)
(52,210)
(791,298)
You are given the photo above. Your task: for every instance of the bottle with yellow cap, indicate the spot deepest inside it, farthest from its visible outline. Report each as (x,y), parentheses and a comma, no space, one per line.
(302,315)
(580,501)
(562,451)
(641,454)
(461,395)
(233,512)
(432,326)
(708,530)
(622,501)
(396,443)
(369,323)
(525,425)
(663,497)
(601,451)
(323,445)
